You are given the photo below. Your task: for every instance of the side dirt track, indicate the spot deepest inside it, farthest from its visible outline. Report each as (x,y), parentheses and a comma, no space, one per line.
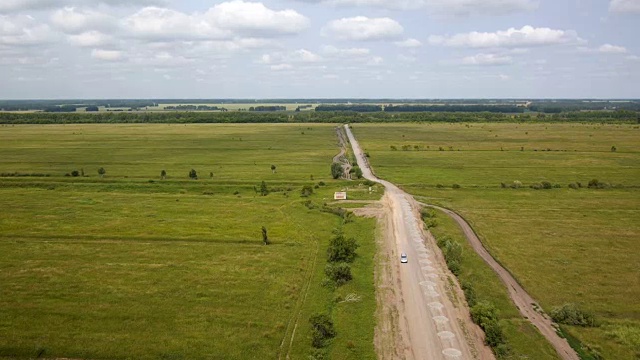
(432,323)
(523,301)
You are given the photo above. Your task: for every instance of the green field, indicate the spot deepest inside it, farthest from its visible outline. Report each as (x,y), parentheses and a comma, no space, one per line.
(564,245)
(132,266)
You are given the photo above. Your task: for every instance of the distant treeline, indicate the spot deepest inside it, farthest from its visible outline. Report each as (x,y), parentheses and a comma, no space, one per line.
(456,108)
(558,106)
(349,107)
(620,116)
(513,106)
(268,108)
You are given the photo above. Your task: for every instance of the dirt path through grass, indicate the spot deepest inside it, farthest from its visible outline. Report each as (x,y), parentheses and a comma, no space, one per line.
(523,301)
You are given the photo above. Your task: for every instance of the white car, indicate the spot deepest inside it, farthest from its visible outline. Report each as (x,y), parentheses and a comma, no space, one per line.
(403,258)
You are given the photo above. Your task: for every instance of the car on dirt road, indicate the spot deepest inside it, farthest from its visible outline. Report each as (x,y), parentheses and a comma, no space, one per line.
(403,258)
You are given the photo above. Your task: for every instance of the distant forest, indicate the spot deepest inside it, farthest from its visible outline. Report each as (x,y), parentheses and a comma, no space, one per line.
(618,116)
(507,106)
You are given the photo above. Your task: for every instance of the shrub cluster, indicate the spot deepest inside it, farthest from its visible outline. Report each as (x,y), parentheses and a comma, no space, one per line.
(544,185)
(452,251)
(429,217)
(17,174)
(485,315)
(571,314)
(323,330)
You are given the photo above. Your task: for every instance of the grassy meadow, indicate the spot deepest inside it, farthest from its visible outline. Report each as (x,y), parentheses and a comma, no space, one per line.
(564,245)
(132,266)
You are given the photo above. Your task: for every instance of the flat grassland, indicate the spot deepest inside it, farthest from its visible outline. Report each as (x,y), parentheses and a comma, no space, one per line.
(132,266)
(564,245)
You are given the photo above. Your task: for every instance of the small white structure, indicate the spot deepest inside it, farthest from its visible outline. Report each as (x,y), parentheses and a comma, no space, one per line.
(340,196)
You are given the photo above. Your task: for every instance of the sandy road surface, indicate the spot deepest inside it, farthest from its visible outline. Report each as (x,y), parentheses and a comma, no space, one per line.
(431,326)
(524,302)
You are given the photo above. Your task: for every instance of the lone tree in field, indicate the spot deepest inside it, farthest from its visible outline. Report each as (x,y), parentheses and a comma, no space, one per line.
(273,169)
(264,191)
(193,175)
(336,170)
(101,172)
(614,149)
(163,174)
(211,175)
(265,238)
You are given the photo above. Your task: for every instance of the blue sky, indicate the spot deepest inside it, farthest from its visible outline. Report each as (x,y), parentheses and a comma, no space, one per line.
(320,49)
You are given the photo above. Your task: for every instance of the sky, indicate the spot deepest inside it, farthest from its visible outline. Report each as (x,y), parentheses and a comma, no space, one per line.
(93,49)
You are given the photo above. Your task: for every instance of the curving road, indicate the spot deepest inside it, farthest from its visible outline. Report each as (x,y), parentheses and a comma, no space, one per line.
(430,324)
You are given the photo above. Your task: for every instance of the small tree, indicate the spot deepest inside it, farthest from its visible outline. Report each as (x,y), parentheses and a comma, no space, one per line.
(264,191)
(101,172)
(193,175)
(273,169)
(336,170)
(614,149)
(322,329)
(307,190)
(342,249)
(163,174)
(265,238)
(357,172)
(211,175)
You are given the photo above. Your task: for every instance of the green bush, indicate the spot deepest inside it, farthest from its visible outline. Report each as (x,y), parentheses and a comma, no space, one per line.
(339,273)
(469,293)
(307,190)
(336,170)
(486,316)
(341,249)
(571,314)
(323,330)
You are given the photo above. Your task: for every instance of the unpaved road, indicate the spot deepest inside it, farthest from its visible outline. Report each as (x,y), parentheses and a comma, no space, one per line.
(432,324)
(524,302)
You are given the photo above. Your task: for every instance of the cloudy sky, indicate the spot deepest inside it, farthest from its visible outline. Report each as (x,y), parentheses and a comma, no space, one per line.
(319,48)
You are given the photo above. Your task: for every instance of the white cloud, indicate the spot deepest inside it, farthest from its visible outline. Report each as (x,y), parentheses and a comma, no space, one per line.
(10,6)
(625,6)
(604,49)
(7,6)
(226,20)
(526,36)
(361,28)
(333,51)
(612,49)
(293,57)
(74,21)
(256,19)
(408,43)
(304,55)
(90,39)
(444,7)
(487,59)
(166,24)
(23,30)
(633,58)
(107,55)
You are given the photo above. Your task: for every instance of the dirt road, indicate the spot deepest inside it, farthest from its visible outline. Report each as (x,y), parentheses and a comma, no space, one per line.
(523,301)
(432,322)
